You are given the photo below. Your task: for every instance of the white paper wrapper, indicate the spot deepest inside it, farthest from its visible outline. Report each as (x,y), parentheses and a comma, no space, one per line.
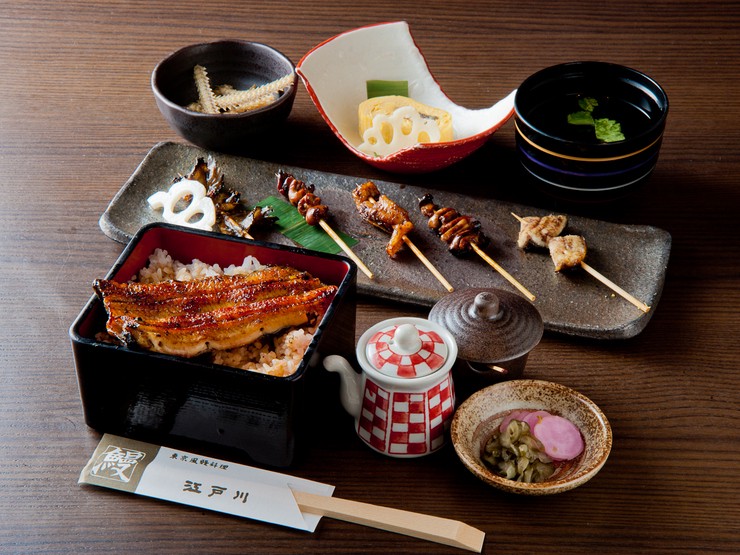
(182,477)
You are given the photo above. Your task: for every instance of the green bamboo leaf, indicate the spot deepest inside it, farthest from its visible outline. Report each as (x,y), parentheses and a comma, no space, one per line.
(291,224)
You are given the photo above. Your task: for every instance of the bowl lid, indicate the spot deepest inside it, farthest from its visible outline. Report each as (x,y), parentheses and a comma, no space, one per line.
(407,350)
(489,325)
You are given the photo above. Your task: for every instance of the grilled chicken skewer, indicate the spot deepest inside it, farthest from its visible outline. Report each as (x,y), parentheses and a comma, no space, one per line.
(309,206)
(383,213)
(463,234)
(566,251)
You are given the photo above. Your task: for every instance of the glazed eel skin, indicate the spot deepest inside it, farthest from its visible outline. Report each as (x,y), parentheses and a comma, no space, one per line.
(189,318)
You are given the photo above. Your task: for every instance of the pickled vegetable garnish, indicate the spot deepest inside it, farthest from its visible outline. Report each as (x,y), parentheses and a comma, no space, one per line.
(515,454)
(379,87)
(531,445)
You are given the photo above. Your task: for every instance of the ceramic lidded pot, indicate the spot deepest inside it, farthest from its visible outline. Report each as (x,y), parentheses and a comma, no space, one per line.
(494,329)
(404,398)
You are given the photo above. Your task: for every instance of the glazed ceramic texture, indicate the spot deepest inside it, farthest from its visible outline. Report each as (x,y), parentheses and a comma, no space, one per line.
(478,418)
(404,399)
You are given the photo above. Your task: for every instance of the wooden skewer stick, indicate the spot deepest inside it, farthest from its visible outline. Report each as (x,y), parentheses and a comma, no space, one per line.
(614,287)
(503,272)
(606,281)
(428,264)
(345,247)
(426,527)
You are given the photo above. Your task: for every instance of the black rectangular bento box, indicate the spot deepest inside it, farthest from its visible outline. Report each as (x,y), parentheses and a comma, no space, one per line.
(194,403)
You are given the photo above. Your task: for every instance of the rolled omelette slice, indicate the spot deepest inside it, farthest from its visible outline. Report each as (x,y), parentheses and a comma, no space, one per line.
(389,123)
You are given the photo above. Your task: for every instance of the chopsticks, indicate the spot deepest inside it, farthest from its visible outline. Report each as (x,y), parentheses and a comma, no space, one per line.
(426,527)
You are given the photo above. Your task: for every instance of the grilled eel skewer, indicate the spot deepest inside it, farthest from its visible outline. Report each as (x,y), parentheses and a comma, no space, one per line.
(463,234)
(309,206)
(458,231)
(302,197)
(382,212)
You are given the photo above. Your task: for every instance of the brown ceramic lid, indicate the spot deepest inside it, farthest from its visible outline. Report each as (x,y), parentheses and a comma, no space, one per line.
(489,325)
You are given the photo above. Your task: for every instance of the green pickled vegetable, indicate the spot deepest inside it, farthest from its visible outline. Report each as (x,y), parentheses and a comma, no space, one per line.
(379,87)
(515,454)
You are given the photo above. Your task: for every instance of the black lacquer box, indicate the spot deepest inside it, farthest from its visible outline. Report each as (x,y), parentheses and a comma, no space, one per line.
(194,403)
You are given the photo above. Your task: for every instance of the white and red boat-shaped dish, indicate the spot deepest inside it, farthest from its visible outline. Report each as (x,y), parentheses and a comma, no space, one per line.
(335,74)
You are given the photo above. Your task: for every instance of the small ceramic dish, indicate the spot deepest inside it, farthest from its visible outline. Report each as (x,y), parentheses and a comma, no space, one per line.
(335,74)
(574,158)
(240,64)
(478,418)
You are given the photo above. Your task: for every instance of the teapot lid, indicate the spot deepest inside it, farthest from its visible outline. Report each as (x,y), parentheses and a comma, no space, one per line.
(489,325)
(406,349)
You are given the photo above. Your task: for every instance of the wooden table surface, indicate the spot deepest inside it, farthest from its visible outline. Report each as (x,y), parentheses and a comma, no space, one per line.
(76,118)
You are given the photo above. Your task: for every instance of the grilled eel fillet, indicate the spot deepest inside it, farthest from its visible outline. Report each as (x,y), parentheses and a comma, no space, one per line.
(225,312)
(382,212)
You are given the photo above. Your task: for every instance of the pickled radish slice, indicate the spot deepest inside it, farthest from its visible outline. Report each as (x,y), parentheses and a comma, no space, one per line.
(534,417)
(560,437)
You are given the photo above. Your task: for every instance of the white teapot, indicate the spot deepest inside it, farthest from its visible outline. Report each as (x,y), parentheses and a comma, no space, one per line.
(404,398)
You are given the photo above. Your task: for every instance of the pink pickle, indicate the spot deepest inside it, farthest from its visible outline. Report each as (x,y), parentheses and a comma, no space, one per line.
(513,415)
(560,437)
(534,418)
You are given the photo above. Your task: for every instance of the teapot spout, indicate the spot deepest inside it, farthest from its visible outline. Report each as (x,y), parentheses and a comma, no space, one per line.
(350,390)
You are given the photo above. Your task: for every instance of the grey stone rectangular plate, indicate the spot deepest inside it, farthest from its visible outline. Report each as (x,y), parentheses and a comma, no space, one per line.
(572,303)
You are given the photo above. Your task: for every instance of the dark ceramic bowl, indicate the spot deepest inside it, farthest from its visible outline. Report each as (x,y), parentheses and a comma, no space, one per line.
(569,161)
(195,404)
(240,64)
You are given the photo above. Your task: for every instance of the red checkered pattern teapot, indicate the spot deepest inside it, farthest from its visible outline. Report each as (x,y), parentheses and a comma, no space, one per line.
(404,398)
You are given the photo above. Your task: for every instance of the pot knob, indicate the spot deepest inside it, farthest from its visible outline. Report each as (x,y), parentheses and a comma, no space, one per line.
(486,306)
(406,340)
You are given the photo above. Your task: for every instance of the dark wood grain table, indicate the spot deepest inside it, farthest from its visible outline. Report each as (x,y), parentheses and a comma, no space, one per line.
(76,118)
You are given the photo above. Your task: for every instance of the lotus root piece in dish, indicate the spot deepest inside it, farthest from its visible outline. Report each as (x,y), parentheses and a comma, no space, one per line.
(335,74)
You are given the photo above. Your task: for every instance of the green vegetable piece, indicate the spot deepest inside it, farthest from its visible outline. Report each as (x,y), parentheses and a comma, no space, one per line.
(608,130)
(588,104)
(379,87)
(581,118)
(291,224)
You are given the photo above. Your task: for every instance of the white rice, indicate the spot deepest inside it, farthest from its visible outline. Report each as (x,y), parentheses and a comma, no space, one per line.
(278,356)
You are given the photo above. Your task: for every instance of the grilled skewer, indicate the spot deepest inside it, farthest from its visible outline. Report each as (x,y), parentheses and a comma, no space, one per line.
(309,206)
(383,213)
(568,251)
(463,234)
